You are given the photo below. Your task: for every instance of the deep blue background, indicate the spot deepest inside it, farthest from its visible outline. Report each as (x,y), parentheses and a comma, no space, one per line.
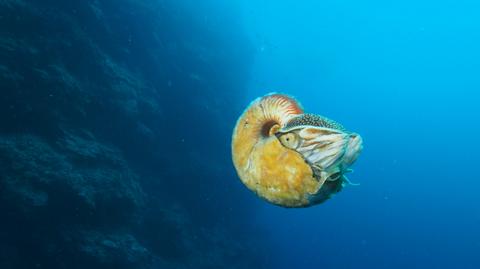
(406,76)
(116,119)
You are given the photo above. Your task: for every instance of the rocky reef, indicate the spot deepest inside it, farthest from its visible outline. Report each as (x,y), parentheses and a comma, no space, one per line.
(114,137)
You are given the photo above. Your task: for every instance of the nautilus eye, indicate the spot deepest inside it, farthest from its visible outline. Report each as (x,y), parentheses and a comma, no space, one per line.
(290,158)
(289,140)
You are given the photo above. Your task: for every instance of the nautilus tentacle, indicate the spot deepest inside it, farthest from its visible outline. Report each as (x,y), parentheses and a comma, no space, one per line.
(290,158)
(328,151)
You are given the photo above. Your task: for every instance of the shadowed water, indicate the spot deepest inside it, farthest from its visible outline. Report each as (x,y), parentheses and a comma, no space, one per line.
(116,119)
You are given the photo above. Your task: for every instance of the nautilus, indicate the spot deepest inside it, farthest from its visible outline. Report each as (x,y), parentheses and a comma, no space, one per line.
(291,158)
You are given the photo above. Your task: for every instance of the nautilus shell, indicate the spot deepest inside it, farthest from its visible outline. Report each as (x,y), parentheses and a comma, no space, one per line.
(290,158)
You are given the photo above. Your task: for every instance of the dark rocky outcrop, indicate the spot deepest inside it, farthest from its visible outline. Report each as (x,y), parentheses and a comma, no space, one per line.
(114,135)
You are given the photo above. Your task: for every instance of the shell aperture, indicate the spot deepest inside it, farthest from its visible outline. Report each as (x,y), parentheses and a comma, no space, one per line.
(329,152)
(290,158)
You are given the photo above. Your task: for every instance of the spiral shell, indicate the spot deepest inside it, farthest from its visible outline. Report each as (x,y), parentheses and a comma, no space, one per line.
(273,172)
(300,174)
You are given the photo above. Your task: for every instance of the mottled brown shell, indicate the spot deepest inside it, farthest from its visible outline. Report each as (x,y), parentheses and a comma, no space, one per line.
(274,172)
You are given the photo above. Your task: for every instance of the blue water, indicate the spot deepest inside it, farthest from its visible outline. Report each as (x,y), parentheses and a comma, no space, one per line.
(116,119)
(405,75)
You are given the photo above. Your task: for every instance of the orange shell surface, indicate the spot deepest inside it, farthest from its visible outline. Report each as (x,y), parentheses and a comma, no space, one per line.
(274,172)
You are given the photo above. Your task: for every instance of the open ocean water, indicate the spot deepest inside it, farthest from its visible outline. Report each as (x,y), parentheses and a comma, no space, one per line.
(116,119)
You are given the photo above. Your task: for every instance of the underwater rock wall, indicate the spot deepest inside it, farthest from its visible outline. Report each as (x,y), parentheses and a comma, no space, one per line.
(114,137)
